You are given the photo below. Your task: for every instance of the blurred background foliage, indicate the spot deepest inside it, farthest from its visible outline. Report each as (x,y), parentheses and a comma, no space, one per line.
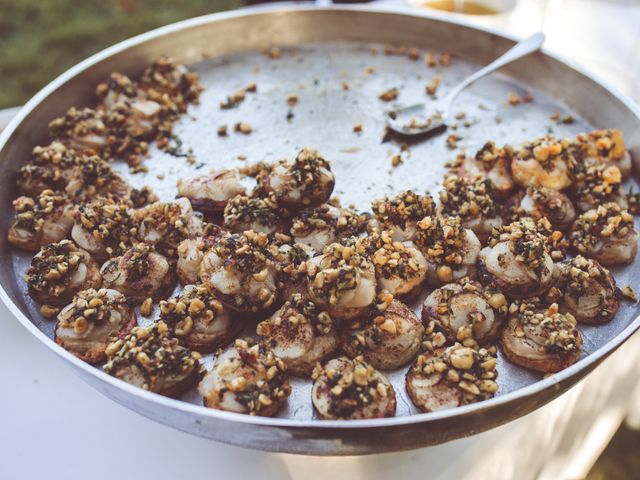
(40,39)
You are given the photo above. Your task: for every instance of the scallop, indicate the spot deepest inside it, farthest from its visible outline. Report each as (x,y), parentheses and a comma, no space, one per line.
(346,389)
(388,339)
(247,378)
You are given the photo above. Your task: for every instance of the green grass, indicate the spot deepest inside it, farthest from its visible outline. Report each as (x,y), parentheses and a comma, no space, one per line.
(39,39)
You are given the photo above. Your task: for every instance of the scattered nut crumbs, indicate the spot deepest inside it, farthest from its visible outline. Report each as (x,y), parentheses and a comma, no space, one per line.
(396,160)
(233,100)
(629,293)
(389,95)
(413,54)
(430,59)
(452,141)
(252,87)
(222,131)
(369,71)
(273,52)
(558,118)
(345,85)
(49,311)
(242,157)
(147,307)
(433,86)
(292,99)
(358,128)
(445,59)
(243,128)
(527,98)
(513,99)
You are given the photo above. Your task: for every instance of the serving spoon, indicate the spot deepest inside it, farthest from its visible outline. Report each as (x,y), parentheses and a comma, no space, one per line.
(411,121)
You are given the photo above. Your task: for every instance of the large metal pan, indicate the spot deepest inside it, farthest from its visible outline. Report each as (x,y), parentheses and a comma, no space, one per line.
(321,48)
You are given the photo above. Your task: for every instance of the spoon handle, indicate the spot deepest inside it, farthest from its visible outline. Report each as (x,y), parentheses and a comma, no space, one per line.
(519,50)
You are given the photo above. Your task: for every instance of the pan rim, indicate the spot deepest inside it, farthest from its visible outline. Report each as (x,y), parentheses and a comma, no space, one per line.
(199,410)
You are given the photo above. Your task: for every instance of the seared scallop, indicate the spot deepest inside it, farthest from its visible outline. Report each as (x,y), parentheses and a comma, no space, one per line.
(104,228)
(350,389)
(59,271)
(342,281)
(92,178)
(151,358)
(599,184)
(291,266)
(606,234)
(165,79)
(139,273)
(542,202)
(545,162)
(541,338)
(211,193)
(449,377)
(400,267)
(239,271)
(190,254)
(466,310)
(472,200)
(603,147)
(199,320)
(518,260)
(320,226)
(491,162)
(166,224)
(119,93)
(93,320)
(49,168)
(301,334)
(588,291)
(38,221)
(450,249)
(401,213)
(305,182)
(386,339)
(262,215)
(247,378)
(83,129)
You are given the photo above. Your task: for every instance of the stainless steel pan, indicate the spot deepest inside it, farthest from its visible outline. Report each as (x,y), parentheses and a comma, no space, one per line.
(322,48)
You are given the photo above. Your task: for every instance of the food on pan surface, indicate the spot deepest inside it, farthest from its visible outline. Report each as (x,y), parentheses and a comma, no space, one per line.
(509,255)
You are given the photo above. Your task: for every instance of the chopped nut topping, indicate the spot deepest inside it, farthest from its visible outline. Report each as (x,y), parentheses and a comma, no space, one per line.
(242,211)
(468,198)
(337,272)
(179,313)
(548,152)
(152,351)
(598,184)
(389,95)
(109,222)
(343,222)
(394,259)
(402,209)
(356,385)
(31,213)
(471,370)
(529,241)
(299,310)
(53,268)
(267,383)
(92,306)
(558,329)
(603,222)
(441,240)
